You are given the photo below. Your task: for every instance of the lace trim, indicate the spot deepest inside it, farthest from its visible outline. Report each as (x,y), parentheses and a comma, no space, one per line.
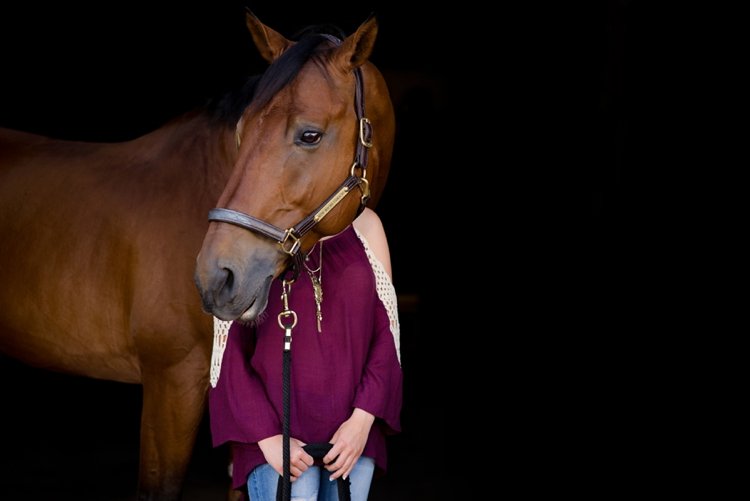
(386,293)
(221,333)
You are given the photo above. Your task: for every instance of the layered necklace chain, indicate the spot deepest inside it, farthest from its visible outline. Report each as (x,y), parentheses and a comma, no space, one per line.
(316,277)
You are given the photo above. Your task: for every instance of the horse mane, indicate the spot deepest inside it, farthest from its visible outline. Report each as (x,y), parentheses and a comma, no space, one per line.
(260,89)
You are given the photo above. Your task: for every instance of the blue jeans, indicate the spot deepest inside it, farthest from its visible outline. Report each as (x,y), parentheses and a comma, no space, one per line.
(313,484)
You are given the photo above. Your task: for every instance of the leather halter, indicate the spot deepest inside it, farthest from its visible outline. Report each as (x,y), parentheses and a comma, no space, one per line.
(289,239)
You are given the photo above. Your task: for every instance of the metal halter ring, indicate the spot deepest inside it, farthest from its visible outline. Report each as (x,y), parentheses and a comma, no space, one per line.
(364,184)
(289,234)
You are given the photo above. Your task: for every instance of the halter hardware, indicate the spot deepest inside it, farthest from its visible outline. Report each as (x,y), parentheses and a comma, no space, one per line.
(289,235)
(365,132)
(287,318)
(364,184)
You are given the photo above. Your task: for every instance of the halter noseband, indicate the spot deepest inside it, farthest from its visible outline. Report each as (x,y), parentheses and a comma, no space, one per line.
(289,239)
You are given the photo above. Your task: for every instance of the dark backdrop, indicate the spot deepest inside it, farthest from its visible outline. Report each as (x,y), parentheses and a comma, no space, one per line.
(112,71)
(506,210)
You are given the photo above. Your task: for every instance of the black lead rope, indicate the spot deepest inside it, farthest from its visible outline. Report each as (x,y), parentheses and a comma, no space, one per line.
(286,479)
(287,320)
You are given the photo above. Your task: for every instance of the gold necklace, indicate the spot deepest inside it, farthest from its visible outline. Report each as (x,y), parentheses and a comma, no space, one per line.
(317,282)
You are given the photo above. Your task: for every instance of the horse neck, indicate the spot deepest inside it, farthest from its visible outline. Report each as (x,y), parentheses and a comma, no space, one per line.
(193,140)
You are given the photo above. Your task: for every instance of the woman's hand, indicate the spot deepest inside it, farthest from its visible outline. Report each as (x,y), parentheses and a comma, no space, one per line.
(299,460)
(348,443)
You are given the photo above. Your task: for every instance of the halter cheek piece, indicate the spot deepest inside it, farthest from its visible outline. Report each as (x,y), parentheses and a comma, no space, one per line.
(289,239)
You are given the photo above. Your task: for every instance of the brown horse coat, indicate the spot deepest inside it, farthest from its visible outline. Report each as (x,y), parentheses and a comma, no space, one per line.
(99,246)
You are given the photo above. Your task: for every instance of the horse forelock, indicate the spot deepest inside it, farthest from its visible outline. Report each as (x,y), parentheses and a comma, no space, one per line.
(259,90)
(282,71)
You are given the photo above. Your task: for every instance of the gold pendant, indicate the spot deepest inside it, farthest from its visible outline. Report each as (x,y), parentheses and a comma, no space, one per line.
(318,290)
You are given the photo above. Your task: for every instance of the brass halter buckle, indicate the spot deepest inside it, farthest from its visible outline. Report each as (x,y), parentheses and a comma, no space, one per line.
(365,132)
(364,184)
(287,318)
(289,235)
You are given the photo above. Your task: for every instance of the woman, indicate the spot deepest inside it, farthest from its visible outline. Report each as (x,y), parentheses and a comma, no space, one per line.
(346,379)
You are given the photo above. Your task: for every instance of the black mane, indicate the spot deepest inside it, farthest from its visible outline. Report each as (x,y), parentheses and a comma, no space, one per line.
(259,89)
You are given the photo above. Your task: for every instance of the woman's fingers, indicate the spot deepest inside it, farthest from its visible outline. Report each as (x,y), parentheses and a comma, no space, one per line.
(342,467)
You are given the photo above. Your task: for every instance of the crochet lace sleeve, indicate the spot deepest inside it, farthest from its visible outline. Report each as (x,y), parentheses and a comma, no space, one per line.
(386,293)
(221,331)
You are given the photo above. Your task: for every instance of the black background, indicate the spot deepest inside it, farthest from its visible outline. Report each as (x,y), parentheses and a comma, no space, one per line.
(507,209)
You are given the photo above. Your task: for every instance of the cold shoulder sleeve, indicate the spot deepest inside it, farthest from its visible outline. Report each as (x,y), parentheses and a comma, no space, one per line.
(239,408)
(381,387)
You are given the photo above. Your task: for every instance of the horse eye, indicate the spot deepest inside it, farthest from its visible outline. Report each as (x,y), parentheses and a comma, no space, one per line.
(310,137)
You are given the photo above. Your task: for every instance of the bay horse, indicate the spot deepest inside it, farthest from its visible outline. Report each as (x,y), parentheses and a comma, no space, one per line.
(103,244)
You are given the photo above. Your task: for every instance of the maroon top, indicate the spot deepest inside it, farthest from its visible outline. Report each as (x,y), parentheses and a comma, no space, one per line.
(352,363)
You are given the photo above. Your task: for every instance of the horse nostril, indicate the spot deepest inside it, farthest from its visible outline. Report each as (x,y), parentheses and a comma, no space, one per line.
(228,284)
(218,289)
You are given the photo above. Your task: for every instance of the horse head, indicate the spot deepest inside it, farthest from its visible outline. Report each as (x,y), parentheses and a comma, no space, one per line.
(314,146)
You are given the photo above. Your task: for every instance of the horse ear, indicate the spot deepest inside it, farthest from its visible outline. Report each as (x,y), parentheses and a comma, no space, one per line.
(270,43)
(355,50)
